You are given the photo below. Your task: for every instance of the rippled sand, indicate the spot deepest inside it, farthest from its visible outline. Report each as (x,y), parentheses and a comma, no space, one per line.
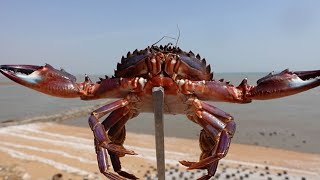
(42,150)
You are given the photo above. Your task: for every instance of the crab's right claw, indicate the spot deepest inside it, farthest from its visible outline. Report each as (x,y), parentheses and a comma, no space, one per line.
(283,84)
(45,79)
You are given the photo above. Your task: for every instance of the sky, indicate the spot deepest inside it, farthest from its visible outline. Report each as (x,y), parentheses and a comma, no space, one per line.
(91,36)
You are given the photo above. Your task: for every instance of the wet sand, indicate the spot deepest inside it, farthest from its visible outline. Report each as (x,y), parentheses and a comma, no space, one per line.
(42,150)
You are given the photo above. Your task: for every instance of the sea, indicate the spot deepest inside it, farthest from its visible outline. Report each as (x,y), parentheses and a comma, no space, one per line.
(291,123)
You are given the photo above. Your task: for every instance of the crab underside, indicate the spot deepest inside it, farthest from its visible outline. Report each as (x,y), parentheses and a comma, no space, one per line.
(187,81)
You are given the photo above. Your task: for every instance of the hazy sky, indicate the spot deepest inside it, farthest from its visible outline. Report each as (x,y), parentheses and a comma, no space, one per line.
(91,36)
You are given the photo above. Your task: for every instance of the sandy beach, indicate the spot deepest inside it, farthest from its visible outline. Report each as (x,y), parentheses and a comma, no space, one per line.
(43,150)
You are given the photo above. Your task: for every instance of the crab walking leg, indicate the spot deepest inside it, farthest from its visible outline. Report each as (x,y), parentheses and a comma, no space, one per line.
(218,129)
(208,145)
(103,162)
(102,142)
(226,134)
(98,129)
(114,117)
(210,158)
(114,125)
(117,135)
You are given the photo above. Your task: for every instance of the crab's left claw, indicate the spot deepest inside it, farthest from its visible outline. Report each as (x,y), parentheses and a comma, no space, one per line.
(45,79)
(285,83)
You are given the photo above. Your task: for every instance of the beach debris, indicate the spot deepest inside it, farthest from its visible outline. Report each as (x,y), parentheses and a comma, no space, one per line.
(57,176)
(187,81)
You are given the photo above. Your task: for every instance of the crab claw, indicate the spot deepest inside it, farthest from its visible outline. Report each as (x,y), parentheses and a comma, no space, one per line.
(285,83)
(45,79)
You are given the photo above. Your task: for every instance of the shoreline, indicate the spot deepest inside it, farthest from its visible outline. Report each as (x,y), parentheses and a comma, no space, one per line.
(177,126)
(69,150)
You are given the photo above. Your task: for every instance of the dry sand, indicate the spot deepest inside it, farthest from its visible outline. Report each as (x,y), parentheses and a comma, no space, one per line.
(42,150)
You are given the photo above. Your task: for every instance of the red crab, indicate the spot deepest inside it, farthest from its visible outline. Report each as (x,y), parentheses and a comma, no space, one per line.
(187,81)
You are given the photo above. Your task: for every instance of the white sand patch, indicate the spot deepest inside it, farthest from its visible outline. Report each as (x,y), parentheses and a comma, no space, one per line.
(57,165)
(23,131)
(53,142)
(60,153)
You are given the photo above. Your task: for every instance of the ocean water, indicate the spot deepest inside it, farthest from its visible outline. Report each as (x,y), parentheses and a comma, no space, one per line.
(291,123)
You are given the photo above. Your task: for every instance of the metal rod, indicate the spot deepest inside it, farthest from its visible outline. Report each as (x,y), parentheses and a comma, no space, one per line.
(158,95)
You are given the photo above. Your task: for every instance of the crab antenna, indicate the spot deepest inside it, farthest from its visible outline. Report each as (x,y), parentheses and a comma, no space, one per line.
(178,35)
(162,39)
(177,39)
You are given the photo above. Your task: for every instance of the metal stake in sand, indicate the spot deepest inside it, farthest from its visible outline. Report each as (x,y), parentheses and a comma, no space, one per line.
(158,95)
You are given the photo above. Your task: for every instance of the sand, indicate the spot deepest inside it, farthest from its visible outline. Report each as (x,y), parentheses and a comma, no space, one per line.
(43,150)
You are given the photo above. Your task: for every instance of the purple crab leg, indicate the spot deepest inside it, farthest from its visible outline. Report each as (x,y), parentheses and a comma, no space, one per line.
(117,134)
(219,127)
(114,117)
(114,125)
(102,142)
(103,162)
(99,131)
